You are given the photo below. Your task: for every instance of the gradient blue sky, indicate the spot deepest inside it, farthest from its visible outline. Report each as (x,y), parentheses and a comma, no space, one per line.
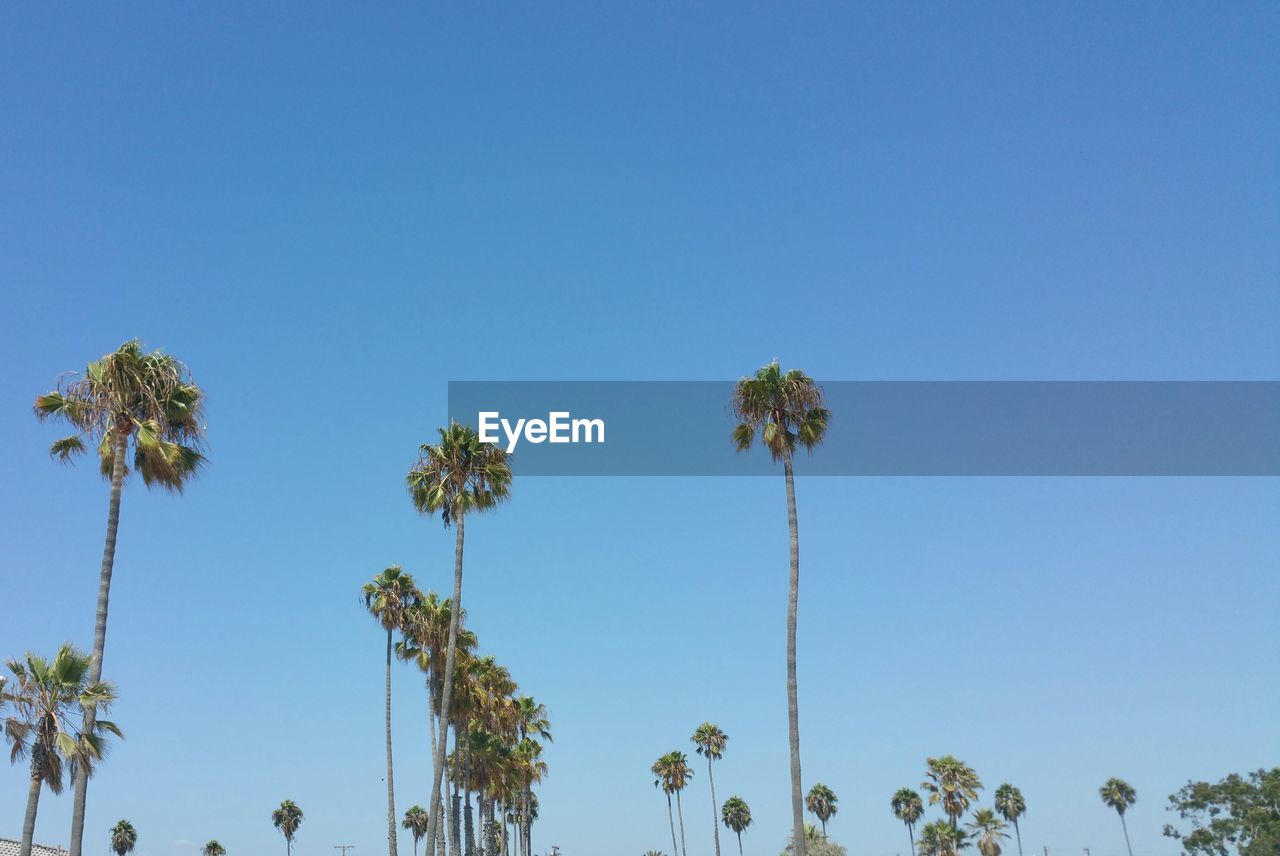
(330,210)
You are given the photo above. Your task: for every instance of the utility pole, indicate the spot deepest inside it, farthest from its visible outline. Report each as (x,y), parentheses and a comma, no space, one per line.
(344,848)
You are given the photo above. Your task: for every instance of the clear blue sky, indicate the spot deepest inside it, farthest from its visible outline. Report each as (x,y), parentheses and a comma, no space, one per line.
(329,210)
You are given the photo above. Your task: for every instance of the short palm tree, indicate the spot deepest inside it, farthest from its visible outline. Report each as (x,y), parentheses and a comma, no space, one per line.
(50,722)
(821,800)
(1119,794)
(908,808)
(952,783)
(123,838)
(672,776)
(710,742)
(287,819)
(940,838)
(653,853)
(736,815)
(989,830)
(213,848)
(388,598)
(127,398)
(1011,805)
(415,820)
(455,477)
(786,411)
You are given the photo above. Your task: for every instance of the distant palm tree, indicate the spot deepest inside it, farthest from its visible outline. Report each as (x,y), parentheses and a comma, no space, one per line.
(786,410)
(123,838)
(673,775)
(653,853)
(213,848)
(457,476)
(415,820)
(952,783)
(287,819)
(388,597)
(989,831)
(127,394)
(51,722)
(711,741)
(1118,794)
(736,815)
(1011,805)
(940,838)
(821,800)
(908,808)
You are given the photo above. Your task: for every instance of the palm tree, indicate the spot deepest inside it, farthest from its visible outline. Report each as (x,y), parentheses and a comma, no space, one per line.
(673,775)
(736,815)
(940,838)
(128,395)
(455,477)
(710,741)
(908,808)
(388,597)
(1119,794)
(531,722)
(787,411)
(287,819)
(821,800)
(653,853)
(213,848)
(123,838)
(952,783)
(1010,804)
(415,820)
(50,722)
(989,830)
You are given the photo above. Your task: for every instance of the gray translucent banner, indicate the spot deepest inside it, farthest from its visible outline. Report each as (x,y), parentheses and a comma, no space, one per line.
(890,428)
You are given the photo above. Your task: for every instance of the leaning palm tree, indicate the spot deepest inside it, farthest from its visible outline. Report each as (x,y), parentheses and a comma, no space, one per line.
(1011,805)
(952,783)
(213,848)
(736,815)
(821,800)
(123,838)
(710,742)
(51,722)
(940,838)
(287,819)
(908,808)
(457,476)
(786,410)
(129,397)
(1119,794)
(415,820)
(388,598)
(989,830)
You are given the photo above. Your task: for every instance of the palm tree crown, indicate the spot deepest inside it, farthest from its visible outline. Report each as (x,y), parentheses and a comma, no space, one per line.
(940,838)
(989,831)
(213,848)
(710,741)
(736,814)
(415,820)
(1118,794)
(123,838)
(287,819)
(785,409)
(908,808)
(459,475)
(952,783)
(821,800)
(1012,806)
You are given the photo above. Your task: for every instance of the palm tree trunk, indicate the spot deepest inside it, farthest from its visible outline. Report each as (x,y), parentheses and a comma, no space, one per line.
(911,836)
(33,802)
(715,820)
(684,847)
(793,702)
(451,654)
(824,828)
(81,775)
(1018,832)
(1125,827)
(739,844)
(391,779)
(675,848)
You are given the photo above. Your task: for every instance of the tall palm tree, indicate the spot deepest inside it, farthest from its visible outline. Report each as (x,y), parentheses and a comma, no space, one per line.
(415,820)
(50,722)
(786,410)
(989,830)
(940,838)
(123,838)
(388,597)
(908,808)
(1119,794)
(287,819)
(672,776)
(531,722)
(457,476)
(129,397)
(213,848)
(1011,805)
(952,783)
(821,800)
(710,742)
(736,815)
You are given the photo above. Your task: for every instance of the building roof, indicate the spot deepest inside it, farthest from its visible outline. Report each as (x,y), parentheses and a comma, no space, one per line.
(9,847)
